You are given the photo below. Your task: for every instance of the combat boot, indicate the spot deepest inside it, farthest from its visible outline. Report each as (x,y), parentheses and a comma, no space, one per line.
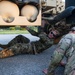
(6,53)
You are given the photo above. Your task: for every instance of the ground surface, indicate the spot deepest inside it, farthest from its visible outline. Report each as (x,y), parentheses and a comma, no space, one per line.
(26,64)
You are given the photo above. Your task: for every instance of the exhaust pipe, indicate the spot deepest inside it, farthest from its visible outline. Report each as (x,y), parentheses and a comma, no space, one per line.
(68,12)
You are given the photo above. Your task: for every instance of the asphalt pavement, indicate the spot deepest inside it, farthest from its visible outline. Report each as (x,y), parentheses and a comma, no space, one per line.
(27,64)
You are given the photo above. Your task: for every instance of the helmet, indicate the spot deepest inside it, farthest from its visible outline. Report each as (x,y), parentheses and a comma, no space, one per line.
(73,29)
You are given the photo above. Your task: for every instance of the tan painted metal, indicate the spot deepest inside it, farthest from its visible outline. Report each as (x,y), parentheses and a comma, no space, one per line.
(9,15)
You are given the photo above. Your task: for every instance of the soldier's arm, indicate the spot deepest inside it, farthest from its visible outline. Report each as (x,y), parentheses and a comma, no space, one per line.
(34,33)
(58,55)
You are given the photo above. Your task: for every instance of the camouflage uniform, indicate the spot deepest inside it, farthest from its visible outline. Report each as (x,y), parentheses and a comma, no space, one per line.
(19,45)
(66,47)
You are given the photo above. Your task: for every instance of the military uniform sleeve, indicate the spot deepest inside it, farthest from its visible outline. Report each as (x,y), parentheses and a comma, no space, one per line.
(34,33)
(59,53)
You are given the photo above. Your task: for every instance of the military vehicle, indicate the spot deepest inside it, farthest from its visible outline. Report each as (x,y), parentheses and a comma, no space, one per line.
(64,19)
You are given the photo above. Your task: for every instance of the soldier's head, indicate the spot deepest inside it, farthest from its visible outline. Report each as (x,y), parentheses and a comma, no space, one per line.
(53,34)
(72,29)
(60,29)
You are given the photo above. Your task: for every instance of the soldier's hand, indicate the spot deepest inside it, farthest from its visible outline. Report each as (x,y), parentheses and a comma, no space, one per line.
(45,71)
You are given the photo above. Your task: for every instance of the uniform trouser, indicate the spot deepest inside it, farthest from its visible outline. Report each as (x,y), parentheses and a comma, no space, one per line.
(71,73)
(19,39)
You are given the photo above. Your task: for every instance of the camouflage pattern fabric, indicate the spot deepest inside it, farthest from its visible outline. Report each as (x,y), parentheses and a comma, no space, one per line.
(17,39)
(21,45)
(66,47)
